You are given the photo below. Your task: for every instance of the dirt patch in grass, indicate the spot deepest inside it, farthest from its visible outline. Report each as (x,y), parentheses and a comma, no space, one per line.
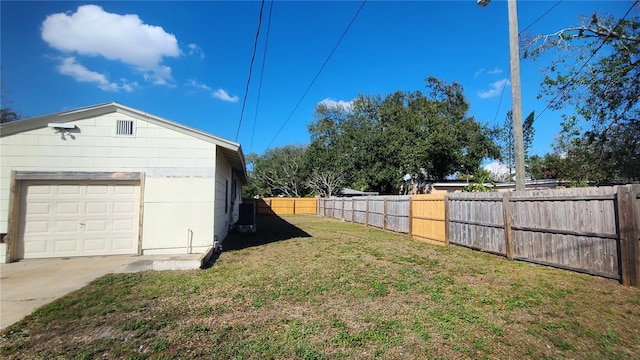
(315,288)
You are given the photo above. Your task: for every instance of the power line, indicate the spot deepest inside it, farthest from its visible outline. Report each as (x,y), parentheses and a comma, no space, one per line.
(540,17)
(264,57)
(318,74)
(504,86)
(564,88)
(253,56)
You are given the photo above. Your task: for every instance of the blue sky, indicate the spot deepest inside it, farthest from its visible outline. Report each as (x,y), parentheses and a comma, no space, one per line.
(189,61)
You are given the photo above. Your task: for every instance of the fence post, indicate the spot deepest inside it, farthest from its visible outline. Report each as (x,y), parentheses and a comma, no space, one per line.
(342,215)
(634,198)
(410,216)
(294,206)
(446,220)
(353,210)
(508,235)
(627,233)
(384,214)
(366,213)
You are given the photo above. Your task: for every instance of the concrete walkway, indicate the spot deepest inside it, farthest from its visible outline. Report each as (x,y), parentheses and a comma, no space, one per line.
(29,284)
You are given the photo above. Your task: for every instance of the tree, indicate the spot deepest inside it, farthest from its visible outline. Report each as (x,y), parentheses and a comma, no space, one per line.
(378,140)
(281,170)
(505,137)
(598,79)
(256,186)
(550,166)
(8,115)
(325,183)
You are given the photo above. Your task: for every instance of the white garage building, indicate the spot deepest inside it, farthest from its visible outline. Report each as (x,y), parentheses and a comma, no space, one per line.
(109,179)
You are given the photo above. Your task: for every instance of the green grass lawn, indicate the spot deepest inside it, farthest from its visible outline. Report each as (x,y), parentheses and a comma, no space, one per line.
(317,288)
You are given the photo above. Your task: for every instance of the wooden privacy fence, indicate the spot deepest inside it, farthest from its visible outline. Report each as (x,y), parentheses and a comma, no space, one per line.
(284,206)
(419,216)
(591,230)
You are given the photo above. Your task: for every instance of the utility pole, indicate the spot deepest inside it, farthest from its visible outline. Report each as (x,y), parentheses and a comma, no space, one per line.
(516,106)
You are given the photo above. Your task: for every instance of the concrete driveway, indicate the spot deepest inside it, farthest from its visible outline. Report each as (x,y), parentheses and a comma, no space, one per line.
(29,284)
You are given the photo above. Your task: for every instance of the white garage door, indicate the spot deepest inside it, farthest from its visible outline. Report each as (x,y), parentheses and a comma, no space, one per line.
(78,218)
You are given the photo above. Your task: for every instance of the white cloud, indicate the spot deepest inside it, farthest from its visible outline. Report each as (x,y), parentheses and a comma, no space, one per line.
(330,103)
(195,50)
(197,85)
(498,170)
(220,94)
(494,89)
(69,66)
(91,31)
(496,70)
(224,96)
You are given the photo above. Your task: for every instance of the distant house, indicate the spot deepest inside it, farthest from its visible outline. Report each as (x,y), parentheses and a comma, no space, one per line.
(458,186)
(109,179)
(346,192)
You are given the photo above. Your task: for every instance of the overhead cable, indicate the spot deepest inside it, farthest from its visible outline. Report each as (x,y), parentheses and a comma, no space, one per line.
(355,16)
(264,59)
(253,56)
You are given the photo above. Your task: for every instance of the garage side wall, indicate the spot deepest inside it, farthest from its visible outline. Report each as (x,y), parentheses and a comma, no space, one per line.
(179,173)
(172,226)
(227,199)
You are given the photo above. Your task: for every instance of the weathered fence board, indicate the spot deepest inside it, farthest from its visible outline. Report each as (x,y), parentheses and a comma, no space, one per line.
(476,220)
(577,232)
(360,210)
(375,215)
(337,209)
(397,213)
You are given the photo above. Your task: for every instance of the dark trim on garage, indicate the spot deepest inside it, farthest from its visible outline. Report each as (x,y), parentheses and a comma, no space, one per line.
(141,212)
(77,175)
(14,217)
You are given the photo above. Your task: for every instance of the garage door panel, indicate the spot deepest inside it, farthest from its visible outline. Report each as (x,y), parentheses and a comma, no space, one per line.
(125,190)
(99,208)
(35,190)
(68,208)
(36,246)
(66,226)
(66,246)
(123,225)
(37,227)
(95,225)
(121,244)
(124,208)
(95,244)
(98,190)
(67,190)
(38,208)
(61,219)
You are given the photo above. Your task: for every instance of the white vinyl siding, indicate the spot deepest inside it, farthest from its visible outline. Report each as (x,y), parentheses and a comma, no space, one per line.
(157,151)
(183,175)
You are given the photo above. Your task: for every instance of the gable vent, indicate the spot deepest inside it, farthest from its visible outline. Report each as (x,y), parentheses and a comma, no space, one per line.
(124,127)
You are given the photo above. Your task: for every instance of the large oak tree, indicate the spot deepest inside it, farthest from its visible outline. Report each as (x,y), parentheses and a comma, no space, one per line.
(377,140)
